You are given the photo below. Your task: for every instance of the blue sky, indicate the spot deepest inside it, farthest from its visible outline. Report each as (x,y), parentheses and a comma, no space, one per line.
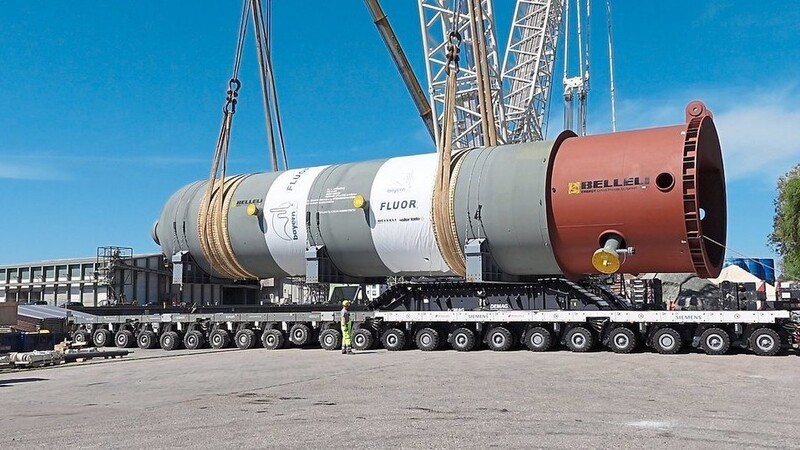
(109,107)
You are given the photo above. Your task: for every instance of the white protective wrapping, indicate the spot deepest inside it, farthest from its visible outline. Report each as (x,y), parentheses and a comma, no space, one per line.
(400,215)
(285,218)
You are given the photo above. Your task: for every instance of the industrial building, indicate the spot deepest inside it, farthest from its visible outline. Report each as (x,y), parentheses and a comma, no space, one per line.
(114,276)
(117,276)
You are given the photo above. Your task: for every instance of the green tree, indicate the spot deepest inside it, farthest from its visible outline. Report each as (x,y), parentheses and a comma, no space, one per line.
(785,237)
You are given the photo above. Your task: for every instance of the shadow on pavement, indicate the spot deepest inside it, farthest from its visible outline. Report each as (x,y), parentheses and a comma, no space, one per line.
(11,381)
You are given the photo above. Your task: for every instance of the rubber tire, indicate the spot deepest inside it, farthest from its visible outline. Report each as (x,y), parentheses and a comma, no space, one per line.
(82,337)
(663,336)
(579,339)
(254,336)
(538,339)
(622,340)
(715,341)
(363,339)
(273,339)
(427,339)
(763,336)
(499,339)
(300,334)
(193,340)
(102,338)
(124,339)
(245,339)
(330,339)
(169,341)
(147,340)
(462,339)
(219,338)
(394,339)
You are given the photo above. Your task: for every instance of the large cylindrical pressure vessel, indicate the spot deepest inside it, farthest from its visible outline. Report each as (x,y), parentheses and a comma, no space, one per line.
(661,190)
(654,199)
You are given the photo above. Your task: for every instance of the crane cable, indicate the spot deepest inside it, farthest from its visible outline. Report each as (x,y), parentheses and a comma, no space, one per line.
(586,84)
(263,26)
(212,219)
(442,211)
(612,87)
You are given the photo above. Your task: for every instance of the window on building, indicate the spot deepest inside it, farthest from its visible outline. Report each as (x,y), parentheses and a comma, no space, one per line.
(88,271)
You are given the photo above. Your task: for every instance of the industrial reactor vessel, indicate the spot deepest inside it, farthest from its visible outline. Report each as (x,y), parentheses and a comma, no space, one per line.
(637,201)
(533,223)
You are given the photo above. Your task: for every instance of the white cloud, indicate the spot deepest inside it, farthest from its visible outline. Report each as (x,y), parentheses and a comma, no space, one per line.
(28,172)
(54,166)
(759,138)
(104,157)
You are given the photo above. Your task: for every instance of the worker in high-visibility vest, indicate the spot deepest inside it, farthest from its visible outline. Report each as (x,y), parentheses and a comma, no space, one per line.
(347,328)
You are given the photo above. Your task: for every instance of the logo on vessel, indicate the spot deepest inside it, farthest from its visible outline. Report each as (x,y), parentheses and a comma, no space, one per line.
(398,204)
(254,201)
(295,178)
(609,184)
(402,183)
(284,221)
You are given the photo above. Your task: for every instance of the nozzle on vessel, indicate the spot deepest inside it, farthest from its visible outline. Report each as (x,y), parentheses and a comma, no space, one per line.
(606,259)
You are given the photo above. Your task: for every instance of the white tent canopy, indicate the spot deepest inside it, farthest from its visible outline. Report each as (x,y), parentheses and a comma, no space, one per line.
(736,274)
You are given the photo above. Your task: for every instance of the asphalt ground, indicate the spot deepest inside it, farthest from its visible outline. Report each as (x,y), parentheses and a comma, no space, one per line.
(312,398)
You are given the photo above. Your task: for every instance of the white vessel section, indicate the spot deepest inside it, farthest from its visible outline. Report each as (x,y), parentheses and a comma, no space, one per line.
(400,215)
(285,218)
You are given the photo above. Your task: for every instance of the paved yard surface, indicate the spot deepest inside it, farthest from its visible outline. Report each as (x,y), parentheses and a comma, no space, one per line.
(313,398)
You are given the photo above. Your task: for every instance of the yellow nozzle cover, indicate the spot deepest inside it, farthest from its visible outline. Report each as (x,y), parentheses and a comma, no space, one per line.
(605,261)
(359,201)
(252,209)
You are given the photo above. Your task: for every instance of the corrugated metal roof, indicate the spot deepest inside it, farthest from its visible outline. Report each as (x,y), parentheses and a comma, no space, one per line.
(49,312)
(64,262)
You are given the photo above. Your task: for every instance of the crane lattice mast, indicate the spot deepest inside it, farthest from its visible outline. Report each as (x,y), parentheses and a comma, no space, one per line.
(438,18)
(528,67)
(516,97)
